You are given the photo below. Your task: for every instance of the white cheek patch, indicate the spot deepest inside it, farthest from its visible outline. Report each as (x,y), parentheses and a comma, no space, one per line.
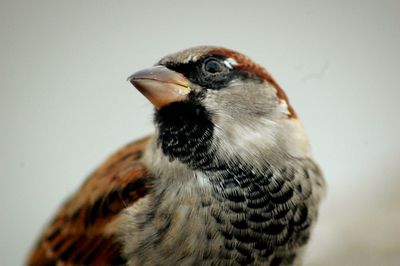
(251,142)
(244,135)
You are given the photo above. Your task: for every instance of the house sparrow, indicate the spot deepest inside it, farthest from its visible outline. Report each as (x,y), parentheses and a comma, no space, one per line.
(226,179)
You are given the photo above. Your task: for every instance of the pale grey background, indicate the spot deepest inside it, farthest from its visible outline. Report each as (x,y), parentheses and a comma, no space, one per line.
(65,104)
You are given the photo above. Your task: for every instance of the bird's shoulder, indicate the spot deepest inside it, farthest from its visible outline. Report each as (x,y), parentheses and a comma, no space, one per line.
(83,232)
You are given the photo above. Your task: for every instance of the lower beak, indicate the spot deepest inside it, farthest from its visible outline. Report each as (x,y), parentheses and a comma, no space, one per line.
(160,85)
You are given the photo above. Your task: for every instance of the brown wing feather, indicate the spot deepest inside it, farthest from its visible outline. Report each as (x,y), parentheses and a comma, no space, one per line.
(83,231)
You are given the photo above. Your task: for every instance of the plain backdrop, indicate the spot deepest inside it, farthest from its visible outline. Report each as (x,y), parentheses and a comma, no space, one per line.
(65,103)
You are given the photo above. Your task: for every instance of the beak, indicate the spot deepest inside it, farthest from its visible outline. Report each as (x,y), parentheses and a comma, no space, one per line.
(160,85)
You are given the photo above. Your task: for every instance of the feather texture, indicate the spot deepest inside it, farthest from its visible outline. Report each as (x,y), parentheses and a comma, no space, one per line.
(83,232)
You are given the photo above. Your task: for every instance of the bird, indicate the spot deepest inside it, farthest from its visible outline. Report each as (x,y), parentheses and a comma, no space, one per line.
(227,177)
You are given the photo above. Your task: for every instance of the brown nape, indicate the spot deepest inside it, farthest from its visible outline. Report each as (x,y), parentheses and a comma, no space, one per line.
(246,64)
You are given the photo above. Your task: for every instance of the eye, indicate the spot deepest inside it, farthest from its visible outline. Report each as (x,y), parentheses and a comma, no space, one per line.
(213,66)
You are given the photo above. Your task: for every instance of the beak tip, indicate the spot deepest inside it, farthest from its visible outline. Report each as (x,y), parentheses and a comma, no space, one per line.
(130,78)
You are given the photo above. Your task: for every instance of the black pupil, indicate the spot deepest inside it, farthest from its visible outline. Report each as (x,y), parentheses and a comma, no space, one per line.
(213,66)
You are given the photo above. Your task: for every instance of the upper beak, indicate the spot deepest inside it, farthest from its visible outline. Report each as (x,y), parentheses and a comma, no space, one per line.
(161,85)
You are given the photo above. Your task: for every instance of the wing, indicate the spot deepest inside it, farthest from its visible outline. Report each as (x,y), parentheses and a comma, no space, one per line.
(83,232)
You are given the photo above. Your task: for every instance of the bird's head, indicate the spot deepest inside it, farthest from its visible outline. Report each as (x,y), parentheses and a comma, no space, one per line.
(215,104)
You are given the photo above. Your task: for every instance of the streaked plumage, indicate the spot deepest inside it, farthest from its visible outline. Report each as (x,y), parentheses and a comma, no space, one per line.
(227,178)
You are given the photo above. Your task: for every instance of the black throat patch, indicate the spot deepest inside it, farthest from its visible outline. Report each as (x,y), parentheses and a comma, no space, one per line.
(186,133)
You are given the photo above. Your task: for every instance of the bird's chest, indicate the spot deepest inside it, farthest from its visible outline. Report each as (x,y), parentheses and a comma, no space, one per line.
(260,218)
(234,217)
